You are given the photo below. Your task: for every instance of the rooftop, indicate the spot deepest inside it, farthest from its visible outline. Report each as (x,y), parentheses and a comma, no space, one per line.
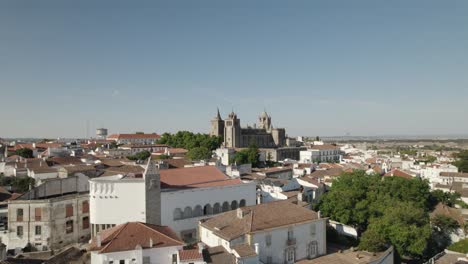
(195,177)
(257,218)
(133,136)
(128,236)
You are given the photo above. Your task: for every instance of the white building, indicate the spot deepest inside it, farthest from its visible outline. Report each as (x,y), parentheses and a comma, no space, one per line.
(136,242)
(450,177)
(225,155)
(134,138)
(320,153)
(276,232)
(186,194)
(432,173)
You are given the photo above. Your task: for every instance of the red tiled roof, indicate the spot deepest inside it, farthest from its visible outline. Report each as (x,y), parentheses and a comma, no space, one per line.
(127,236)
(324,147)
(190,254)
(398,173)
(133,136)
(195,177)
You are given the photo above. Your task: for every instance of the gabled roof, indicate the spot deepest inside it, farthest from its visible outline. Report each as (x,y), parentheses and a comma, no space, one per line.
(398,173)
(195,177)
(258,218)
(454,174)
(133,136)
(128,236)
(190,254)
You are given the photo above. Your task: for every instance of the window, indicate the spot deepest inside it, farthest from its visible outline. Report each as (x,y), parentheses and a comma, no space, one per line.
(19,215)
(174,258)
(38,214)
(85,222)
(290,255)
(85,207)
(187,212)
(122,261)
(146,260)
(38,230)
(19,231)
(69,226)
(268,240)
(178,214)
(269,260)
(290,233)
(312,249)
(68,210)
(313,230)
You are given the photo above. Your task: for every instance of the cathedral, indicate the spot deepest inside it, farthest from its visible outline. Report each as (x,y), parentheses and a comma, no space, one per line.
(263,135)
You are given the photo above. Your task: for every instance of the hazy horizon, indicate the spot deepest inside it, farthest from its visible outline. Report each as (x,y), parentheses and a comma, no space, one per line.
(364,68)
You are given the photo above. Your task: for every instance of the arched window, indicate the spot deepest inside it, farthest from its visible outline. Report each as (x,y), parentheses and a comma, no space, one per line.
(216,208)
(197,211)
(225,206)
(187,212)
(234,205)
(177,214)
(242,203)
(207,210)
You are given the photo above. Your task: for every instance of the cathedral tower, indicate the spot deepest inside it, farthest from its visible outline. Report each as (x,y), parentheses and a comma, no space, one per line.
(232,131)
(217,126)
(264,121)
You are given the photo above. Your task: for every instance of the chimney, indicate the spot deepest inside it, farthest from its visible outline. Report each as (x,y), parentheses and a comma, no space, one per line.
(241,213)
(319,214)
(200,247)
(98,240)
(257,250)
(151,243)
(300,197)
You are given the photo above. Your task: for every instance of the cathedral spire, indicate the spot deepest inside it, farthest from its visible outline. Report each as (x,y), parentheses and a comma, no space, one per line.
(218,114)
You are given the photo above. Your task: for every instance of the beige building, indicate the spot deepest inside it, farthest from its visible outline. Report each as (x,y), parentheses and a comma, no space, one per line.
(262,134)
(50,216)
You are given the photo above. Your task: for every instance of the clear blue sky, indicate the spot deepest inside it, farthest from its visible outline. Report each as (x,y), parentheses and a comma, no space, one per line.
(318,67)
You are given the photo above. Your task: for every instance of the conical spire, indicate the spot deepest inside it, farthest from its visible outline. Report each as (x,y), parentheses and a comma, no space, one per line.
(218,115)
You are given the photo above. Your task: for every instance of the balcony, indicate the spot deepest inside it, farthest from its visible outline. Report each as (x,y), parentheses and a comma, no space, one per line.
(290,242)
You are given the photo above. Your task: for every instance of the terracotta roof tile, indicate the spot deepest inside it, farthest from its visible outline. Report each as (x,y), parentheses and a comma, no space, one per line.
(257,218)
(195,177)
(398,173)
(127,236)
(190,254)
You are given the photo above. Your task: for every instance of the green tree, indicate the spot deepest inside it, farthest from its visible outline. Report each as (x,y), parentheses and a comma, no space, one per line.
(199,153)
(448,198)
(25,153)
(462,161)
(385,210)
(18,184)
(189,140)
(250,155)
(347,202)
(143,155)
(404,225)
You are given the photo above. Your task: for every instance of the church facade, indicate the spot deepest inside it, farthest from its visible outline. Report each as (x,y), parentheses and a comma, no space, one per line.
(263,135)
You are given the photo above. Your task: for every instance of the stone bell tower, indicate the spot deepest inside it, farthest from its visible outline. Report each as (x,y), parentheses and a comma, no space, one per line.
(232,131)
(217,126)
(152,193)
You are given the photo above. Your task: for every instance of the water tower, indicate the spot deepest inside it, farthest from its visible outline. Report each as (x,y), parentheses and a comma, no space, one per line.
(101,133)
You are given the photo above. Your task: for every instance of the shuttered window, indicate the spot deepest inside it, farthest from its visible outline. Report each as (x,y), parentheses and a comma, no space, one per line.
(38,214)
(69,210)
(85,207)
